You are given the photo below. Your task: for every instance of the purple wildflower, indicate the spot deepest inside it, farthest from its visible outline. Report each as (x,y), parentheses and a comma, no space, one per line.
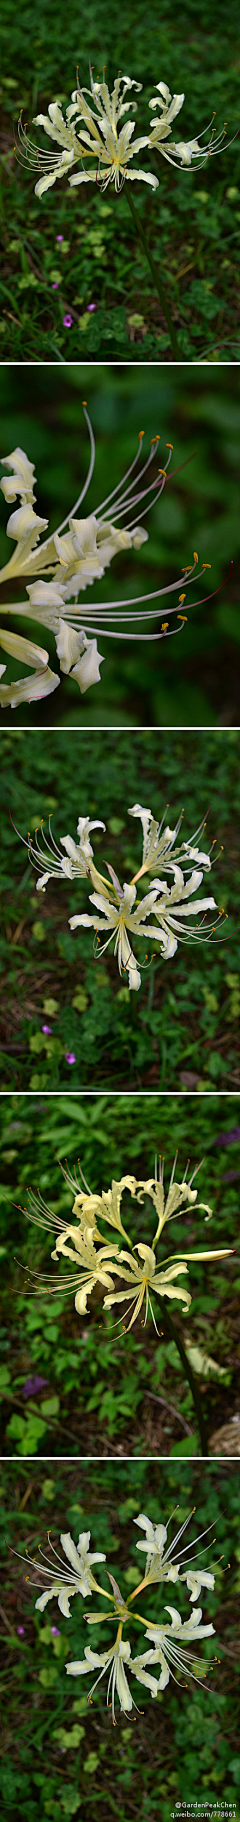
(67,320)
(70,1058)
(33,1385)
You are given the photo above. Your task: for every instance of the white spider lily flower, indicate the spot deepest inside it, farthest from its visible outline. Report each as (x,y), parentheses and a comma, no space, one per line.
(143,1278)
(62,1583)
(162,1565)
(118,919)
(79,855)
(159,842)
(183,151)
(114,1661)
(169,1642)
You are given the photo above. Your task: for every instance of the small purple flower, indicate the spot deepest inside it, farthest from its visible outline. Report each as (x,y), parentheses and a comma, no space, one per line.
(21,1631)
(33,1385)
(59,237)
(70,1058)
(47,1030)
(67,320)
(91,307)
(55,1632)
(56,284)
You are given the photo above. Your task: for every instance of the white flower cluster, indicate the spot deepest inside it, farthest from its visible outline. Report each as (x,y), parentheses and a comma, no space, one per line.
(119,911)
(166,1642)
(94,130)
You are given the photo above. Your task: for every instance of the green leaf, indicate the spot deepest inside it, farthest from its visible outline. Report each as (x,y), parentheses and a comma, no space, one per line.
(50,1407)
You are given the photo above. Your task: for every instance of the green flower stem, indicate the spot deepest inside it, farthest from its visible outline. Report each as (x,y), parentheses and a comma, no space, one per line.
(167,1319)
(157,281)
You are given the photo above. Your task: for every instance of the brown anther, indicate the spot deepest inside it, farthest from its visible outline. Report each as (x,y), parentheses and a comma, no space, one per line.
(169,445)
(195,556)
(164,626)
(181,598)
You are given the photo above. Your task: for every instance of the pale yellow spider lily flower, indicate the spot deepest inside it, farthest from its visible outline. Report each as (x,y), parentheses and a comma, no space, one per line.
(161,1565)
(159,842)
(144,1278)
(123,916)
(156,1277)
(25,689)
(78,858)
(114,1661)
(169,1642)
(62,1583)
(93,1267)
(118,919)
(179,1194)
(183,151)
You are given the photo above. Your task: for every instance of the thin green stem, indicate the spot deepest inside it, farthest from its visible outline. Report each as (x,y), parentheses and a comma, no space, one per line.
(155,275)
(167,1319)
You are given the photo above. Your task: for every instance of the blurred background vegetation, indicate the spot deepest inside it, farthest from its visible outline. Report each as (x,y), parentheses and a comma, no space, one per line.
(190,680)
(182,1028)
(192,220)
(78,1385)
(59,1754)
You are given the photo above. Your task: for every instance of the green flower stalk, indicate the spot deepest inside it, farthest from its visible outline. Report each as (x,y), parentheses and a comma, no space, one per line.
(119,911)
(64,566)
(167,1641)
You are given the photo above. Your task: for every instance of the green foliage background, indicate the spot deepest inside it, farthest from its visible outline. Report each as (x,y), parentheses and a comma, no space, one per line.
(103,1392)
(181,1029)
(56,1752)
(191,680)
(192,221)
